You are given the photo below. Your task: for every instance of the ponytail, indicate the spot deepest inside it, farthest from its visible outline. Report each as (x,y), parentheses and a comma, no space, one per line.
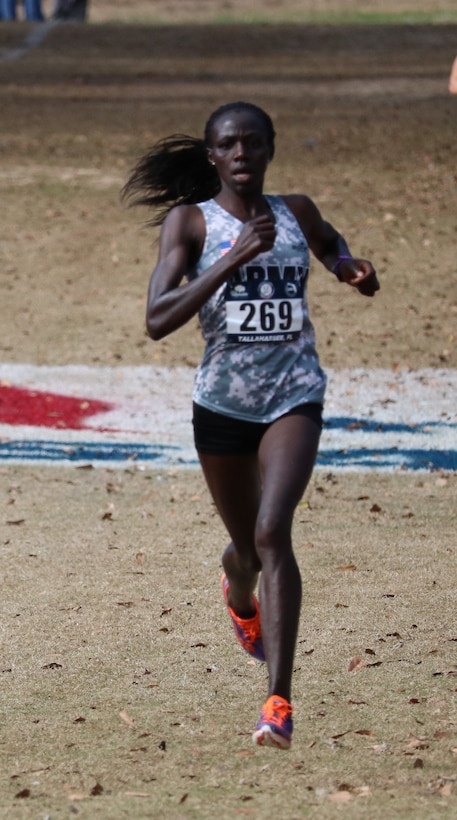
(175,171)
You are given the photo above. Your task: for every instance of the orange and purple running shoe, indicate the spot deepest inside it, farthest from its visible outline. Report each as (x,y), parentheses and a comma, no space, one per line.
(247,630)
(275,725)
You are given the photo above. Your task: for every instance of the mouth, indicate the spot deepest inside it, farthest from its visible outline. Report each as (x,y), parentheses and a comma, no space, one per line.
(242,175)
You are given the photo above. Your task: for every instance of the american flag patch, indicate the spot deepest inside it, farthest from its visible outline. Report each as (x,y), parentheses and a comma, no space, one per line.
(226,246)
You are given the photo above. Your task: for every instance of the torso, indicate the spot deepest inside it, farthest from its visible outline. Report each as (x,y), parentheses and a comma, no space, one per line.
(260,359)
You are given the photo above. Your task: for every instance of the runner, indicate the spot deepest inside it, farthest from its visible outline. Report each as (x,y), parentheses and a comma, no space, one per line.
(259,390)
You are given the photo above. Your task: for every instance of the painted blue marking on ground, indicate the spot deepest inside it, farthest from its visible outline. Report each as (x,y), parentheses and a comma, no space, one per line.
(119,452)
(373,426)
(393,457)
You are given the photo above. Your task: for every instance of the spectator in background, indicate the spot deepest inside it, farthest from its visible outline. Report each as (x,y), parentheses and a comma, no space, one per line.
(453,78)
(32,9)
(70,10)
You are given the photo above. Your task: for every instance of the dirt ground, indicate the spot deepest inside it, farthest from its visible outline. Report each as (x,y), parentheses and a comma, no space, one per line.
(123,694)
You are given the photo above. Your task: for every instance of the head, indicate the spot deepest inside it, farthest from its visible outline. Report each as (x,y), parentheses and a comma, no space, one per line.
(239,140)
(241,107)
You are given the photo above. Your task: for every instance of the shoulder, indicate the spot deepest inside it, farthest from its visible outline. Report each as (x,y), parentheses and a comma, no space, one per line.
(183,228)
(186,222)
(301,205)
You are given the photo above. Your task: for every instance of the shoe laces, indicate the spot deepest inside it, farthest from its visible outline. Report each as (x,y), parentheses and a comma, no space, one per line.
(276,710)
(250,626)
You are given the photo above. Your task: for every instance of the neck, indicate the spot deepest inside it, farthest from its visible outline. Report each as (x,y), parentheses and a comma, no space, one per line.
(243,208)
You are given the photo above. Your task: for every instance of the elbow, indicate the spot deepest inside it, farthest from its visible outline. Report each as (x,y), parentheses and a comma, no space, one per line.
(154,329)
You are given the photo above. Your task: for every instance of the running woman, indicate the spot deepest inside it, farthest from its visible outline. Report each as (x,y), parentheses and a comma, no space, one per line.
(240,259)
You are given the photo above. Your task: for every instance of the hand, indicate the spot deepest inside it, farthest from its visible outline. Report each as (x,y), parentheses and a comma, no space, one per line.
(360,274)
(257,236)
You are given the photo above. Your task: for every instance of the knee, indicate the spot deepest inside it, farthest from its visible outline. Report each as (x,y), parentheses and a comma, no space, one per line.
(272,534)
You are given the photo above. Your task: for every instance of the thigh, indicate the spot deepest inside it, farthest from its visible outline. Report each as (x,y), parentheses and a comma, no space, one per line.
(234,483)
(287,455)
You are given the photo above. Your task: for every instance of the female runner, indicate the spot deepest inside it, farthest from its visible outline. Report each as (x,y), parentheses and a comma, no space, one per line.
(259,391)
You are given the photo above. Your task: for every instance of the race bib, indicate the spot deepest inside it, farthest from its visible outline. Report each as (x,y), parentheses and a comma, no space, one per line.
(265,304)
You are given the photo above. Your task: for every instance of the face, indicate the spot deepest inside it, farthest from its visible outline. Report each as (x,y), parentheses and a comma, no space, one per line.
(240,151)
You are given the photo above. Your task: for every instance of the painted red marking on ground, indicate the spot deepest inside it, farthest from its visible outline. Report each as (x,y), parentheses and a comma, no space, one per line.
(37,408)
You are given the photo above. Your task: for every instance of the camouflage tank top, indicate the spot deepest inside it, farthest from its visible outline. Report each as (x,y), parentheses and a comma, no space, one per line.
(260,359)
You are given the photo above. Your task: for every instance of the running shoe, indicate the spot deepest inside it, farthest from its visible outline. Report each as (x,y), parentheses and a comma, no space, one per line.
(247,630)
(275,725)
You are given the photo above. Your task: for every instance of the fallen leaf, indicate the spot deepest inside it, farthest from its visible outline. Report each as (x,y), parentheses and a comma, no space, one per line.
(340,797)
(347,567)
(355,664)
(97,789)
(446,790)
(379,747)
(126,718)
(23,793)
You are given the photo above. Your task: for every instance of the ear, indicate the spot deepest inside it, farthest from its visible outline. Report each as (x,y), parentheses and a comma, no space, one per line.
(209,154)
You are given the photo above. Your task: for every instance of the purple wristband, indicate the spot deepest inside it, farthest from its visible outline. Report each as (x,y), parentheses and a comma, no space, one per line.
(336,266)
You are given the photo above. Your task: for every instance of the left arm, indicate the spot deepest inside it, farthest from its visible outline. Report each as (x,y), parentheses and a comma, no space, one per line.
(330,247)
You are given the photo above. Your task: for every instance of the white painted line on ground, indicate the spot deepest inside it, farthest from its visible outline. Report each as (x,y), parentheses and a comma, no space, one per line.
(33,39)
(375,420)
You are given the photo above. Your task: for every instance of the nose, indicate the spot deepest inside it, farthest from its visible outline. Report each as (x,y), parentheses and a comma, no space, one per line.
(240,149)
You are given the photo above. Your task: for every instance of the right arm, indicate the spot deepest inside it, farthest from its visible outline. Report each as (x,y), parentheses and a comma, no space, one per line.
(171,304)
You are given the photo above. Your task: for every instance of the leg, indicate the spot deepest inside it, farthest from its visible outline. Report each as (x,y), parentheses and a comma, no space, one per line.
(286,456)
(8,9)
(234,483)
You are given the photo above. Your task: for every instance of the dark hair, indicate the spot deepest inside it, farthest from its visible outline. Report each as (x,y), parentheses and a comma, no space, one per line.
(176,171)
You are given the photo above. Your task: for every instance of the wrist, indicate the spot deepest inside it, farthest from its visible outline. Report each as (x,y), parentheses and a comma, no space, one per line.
(336,266)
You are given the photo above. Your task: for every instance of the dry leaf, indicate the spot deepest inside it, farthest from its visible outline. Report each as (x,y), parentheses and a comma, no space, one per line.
(340,797)
(379,747)
(347,567)
(355,664)
(126,718)
(23,793)
(97,789)
(446,790)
